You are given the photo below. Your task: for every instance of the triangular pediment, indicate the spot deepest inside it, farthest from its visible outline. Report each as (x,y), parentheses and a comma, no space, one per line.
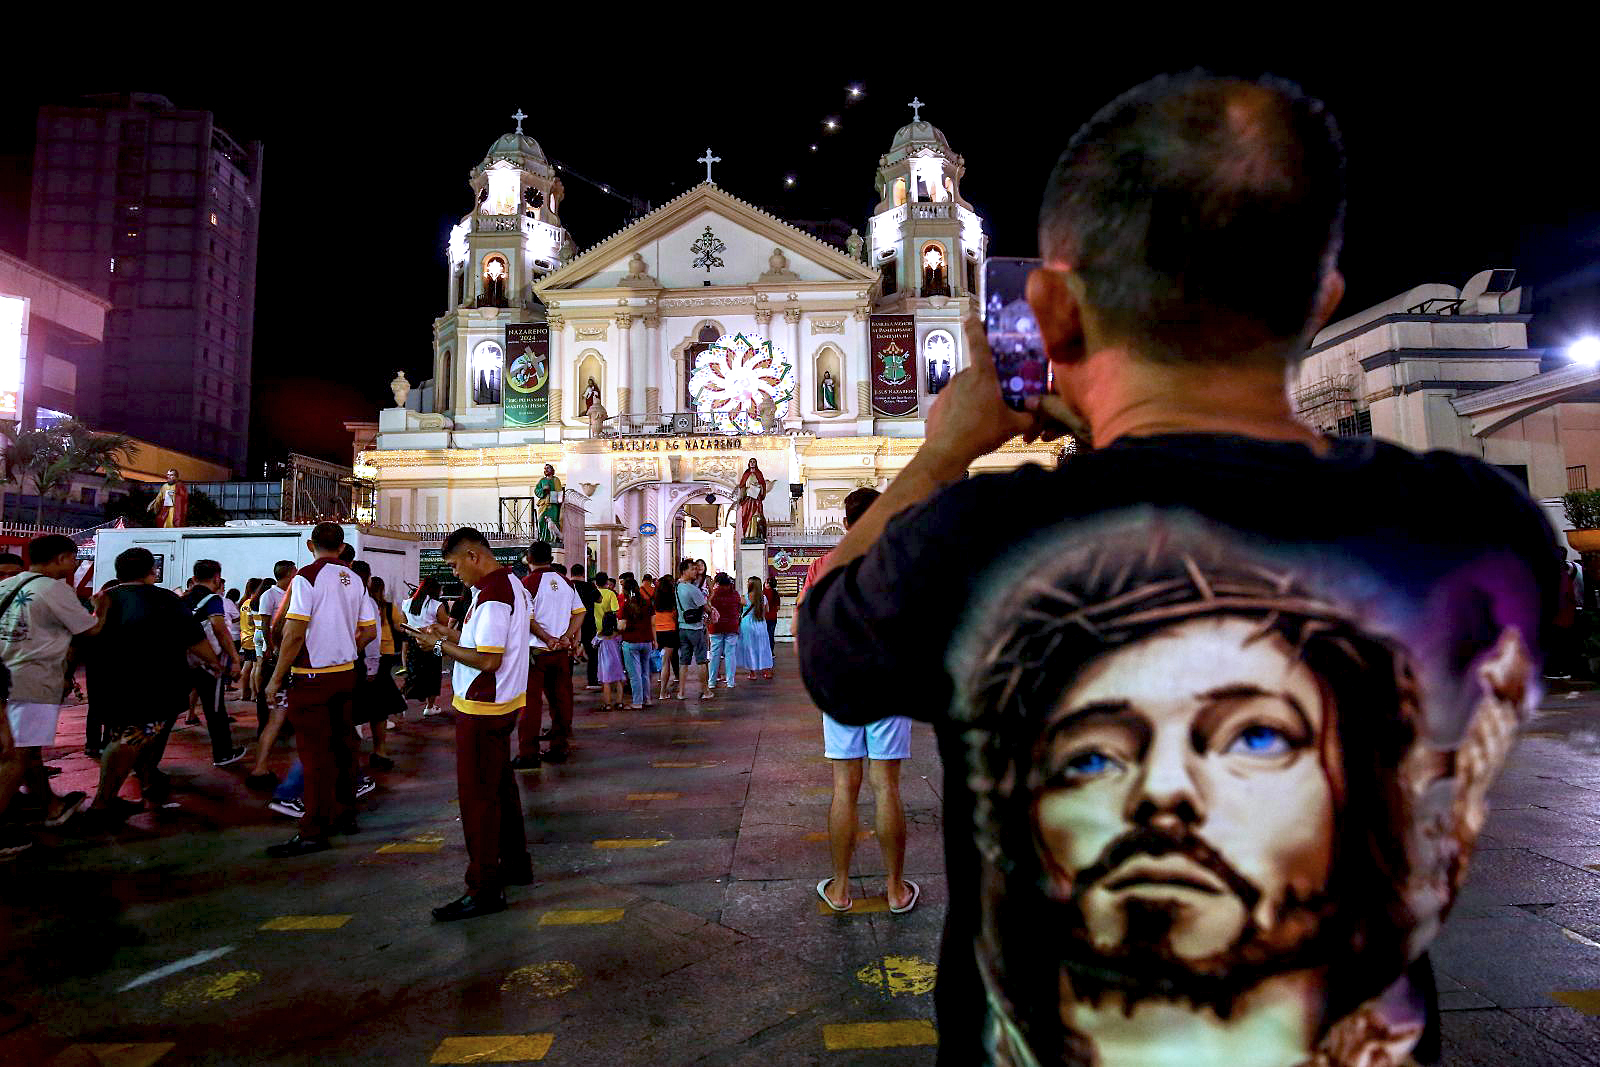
(704,236)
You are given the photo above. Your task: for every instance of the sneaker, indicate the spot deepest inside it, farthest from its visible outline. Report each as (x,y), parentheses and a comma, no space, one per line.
(365,786)
(380,763)
(69,807)
(238,754)
(298,846)
(591,687)
(295,809)
(13,842)
(430,711)
(554,755)
(525,763)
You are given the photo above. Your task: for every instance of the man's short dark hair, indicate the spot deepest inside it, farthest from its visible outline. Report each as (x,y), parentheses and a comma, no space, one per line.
(685,566)
(328,536)
(601,578)
(135,565)
(362,568)
(576,570)
(1200,210)
(540,552)
(206,569)
(462,538)
(11,559)
(857,503)
(282,569)
(49,548)
(347,554)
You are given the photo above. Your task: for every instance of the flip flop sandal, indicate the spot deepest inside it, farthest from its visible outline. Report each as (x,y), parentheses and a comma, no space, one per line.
(916,892)
(822,891)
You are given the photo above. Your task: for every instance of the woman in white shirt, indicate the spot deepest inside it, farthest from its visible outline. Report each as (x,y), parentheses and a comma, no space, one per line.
(424,672)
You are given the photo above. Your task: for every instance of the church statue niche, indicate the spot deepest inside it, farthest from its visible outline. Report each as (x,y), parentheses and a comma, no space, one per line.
(935,278)
(591,395)
(827,372)
(496,279)
(939,350)
(828,393)
(588,383)
(487,361)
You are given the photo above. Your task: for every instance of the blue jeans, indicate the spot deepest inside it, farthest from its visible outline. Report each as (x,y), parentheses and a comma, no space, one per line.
(636,661)
(293,786)
(725,650)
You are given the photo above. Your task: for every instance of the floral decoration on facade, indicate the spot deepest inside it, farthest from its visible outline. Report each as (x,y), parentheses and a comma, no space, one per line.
(733,376)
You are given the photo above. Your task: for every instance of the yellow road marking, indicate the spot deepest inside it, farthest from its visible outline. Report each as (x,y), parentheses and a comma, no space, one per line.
(900,1034)
(691,722)
(863,905)
(412,846)
(1586,1001)
(899,975)
(631,842)
(539,981)
(580,916)
(690,741)
(590,725)
(306,922)
(429,839)
(683,763)
(129,1054)
(654,796)
(210,987)
(822,835)
(510,1048)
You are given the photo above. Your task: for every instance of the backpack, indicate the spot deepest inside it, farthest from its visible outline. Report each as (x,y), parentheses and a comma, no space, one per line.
(211,634)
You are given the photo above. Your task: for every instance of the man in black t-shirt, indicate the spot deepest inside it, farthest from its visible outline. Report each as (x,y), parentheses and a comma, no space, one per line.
(589,595)
(141,654)
(1219,702)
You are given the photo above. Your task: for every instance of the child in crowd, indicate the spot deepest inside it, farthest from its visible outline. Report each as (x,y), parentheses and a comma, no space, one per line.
(608,652)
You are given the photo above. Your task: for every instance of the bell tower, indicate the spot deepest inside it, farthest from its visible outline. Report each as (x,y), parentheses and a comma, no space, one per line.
(512,237)
(925,239)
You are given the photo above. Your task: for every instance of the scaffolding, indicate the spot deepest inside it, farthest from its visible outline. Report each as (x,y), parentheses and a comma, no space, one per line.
(1327,402)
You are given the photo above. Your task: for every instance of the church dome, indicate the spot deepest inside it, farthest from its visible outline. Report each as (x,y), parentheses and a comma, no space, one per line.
(918,133)
(516,144)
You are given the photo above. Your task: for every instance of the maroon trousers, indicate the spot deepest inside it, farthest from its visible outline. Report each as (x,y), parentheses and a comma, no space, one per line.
(320,706)
(549,679)
(491,807)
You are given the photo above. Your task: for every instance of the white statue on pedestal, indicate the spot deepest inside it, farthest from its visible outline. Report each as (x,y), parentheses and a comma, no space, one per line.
(767,409)
(401,388)
(597,418)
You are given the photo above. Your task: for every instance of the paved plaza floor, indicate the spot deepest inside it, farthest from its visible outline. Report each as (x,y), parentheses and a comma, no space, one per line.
(674,920)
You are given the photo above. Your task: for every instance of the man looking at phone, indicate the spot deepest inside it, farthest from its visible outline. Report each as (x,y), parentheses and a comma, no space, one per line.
(1190,234)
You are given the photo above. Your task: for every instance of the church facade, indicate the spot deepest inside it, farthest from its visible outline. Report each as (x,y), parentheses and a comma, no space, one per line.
(649,370)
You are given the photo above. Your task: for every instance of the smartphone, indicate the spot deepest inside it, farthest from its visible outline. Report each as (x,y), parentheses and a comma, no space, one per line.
(1013,334)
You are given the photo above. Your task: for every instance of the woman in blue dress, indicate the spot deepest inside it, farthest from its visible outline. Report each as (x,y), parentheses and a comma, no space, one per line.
(755,652)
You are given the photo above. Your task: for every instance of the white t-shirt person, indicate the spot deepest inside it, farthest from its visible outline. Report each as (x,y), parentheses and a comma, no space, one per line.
(555,602)
(328,597)
(496,622)
(39,624)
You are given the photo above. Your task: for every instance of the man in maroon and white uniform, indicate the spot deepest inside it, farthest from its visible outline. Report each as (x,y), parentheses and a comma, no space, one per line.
(490,683)
(327,623)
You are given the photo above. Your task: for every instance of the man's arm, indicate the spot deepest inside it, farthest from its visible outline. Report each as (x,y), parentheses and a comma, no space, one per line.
(294,639)
(230,655)
(203,649)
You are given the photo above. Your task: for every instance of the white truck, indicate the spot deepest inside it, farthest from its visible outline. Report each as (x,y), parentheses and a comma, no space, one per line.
(250,551)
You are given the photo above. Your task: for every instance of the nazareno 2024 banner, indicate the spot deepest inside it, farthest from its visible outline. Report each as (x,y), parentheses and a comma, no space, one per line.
(893,340)
(527,377)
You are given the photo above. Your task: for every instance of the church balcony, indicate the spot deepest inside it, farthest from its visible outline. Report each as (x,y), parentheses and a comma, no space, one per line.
(666,424)
(933,211)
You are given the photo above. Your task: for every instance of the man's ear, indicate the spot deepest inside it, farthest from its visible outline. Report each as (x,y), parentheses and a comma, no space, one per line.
(1329,294)
(1056,309)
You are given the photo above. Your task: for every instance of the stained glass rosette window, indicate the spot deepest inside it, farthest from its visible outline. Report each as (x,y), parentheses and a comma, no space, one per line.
(733,376)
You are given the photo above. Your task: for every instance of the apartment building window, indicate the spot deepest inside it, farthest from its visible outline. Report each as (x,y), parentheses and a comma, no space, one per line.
(1578,477)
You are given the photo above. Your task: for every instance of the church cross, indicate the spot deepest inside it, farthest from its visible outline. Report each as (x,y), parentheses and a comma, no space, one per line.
(519,116)
(916,107)
(709,159)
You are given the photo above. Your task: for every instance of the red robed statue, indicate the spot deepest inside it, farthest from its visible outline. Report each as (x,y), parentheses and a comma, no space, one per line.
(751,523)
(171,505)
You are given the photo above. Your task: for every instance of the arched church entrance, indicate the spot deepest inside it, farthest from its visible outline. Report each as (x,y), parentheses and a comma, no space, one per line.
(670,521)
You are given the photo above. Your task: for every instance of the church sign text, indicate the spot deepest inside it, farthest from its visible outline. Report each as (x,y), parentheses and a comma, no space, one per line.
(677,444)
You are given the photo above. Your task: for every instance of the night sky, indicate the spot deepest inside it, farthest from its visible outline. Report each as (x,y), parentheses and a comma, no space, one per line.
(1461,158)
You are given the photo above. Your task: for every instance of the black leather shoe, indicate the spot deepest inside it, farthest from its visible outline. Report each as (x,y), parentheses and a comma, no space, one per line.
(554,755)
(470,907)
(525,763)
(298,846)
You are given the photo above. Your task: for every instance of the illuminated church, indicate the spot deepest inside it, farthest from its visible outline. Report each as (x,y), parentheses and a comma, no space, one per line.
(650,368)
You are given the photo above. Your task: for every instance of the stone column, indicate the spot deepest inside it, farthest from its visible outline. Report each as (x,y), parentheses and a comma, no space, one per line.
(802,377)
(624,380)
(861,365)
(558,351)
(652,364)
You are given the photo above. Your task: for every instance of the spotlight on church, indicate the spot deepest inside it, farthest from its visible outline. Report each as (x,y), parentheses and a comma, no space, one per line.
(1585,350)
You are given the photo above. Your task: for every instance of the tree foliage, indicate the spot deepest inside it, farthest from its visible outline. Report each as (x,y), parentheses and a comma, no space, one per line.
(50,458)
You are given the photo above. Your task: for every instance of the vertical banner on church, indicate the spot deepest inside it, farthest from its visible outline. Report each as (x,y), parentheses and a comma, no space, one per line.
(893,339)
(527,399)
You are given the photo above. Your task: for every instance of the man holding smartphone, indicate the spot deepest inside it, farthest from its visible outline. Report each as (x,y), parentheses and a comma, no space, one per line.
(1219,700)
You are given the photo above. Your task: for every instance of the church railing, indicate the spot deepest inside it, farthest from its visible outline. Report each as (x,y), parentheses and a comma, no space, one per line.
(932,211)
(665,424)
(497,223)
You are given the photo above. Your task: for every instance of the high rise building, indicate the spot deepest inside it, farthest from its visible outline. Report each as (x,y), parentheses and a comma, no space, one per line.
(156,209)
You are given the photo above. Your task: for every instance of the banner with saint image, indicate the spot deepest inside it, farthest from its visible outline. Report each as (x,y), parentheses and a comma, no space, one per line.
(893,340)
(527,376)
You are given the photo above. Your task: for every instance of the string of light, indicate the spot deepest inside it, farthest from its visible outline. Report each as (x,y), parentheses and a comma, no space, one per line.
(853,94)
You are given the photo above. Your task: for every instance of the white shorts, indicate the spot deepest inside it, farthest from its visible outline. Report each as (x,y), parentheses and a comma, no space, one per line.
(33,725)
(888,738)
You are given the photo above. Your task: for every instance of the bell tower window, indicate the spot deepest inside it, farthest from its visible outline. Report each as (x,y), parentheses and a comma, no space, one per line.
(496,280)
(899,191)
(890,269)
(487,360)
(935,277)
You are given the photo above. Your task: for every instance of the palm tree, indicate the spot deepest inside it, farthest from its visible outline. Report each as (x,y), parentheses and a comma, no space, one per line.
(51,457)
